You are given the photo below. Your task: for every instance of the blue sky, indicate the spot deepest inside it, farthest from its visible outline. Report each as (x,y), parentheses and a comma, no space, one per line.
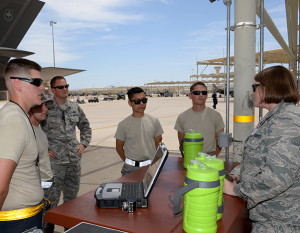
(133,42)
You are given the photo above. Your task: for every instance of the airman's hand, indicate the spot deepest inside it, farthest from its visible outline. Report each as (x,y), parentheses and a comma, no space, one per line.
(228,187)
(81,149)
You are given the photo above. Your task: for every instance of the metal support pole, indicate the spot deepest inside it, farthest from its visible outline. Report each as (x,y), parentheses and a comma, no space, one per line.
(51,24)
(244,71)
(298,52)
(225,139)
(261,64)
(227,3)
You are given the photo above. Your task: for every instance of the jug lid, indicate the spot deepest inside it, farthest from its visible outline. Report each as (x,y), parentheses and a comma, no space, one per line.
(199,171)
(192,134)
(210,161)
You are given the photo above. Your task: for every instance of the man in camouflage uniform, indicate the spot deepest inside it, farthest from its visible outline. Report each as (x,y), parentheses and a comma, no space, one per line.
(64,149)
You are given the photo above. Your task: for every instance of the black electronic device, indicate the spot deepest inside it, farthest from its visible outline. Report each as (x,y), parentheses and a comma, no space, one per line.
(130,195)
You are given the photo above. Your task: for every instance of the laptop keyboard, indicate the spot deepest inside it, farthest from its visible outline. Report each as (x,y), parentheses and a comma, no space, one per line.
(132,190)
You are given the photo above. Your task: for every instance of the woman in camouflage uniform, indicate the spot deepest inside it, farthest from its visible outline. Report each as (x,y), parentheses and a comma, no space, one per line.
(269,175)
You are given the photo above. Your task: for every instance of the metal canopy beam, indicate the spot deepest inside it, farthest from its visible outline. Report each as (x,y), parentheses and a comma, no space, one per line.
(273,30)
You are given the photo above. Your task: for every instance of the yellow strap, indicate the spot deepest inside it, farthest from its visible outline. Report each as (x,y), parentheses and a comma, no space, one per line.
(244,119)
(10,215)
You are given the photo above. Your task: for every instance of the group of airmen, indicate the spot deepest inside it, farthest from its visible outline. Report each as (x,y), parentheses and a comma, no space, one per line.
(40,156)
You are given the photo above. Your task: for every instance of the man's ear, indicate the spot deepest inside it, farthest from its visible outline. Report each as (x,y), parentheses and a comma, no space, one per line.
(129,103)
(17,85)
(190,95)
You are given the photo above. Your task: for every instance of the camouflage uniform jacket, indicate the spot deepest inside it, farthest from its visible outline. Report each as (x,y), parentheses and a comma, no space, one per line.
(60,127)
(270,171)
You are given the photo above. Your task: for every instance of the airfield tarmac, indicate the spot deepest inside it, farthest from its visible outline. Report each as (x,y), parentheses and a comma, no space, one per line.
(100,161)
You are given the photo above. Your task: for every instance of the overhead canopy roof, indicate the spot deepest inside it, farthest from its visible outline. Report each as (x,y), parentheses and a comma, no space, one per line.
(9,52)
(169,83)
(271,56)
(206,76)
(49,72)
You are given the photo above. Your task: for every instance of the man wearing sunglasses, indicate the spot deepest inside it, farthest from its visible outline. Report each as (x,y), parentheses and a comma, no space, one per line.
(21,193)
(202,119)
(37,114)
(138,135)
(64,149)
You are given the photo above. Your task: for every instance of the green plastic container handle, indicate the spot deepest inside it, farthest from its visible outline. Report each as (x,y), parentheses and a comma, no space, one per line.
(191,184)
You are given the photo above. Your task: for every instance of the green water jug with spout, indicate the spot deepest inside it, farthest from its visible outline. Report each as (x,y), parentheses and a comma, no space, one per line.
(212,161)
(192,145)
(201,192)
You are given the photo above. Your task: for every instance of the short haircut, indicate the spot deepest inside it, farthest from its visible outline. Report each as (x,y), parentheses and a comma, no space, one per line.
(197,83)
(134,90)
(53,80)
(279,85)
(20,65)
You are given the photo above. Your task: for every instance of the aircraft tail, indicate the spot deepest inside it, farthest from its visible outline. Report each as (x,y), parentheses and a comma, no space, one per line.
(215,88)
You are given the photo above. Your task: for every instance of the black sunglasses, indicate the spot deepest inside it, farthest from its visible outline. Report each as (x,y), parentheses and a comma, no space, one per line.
(34,81)
(254,86)
(62,87)
(138,101)
(198,92)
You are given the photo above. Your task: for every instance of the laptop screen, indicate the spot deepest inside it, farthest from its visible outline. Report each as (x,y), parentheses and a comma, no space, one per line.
(154,169)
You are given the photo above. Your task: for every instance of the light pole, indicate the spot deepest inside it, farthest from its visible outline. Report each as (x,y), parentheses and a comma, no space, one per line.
(51,24)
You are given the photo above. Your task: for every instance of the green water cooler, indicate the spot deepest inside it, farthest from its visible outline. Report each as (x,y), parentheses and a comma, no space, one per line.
(201,193)
(192,145)
(212,161)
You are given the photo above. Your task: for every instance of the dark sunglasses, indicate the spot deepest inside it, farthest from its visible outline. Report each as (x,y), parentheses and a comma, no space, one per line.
(62,87)
(198,92)
(138,101)
(34,81)
(254,86)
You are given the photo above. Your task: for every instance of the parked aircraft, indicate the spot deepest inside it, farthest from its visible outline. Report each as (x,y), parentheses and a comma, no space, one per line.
(166,94)
(16,18)
(221,90)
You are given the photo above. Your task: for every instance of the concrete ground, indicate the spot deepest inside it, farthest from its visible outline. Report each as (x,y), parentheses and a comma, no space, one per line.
(101,163)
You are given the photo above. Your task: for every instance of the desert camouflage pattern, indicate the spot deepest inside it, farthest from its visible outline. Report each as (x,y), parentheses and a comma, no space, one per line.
(269,176)
(60,128)
(63,182)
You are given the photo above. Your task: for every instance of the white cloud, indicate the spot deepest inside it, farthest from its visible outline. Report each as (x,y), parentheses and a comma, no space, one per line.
(276,8)
(167,2)
(39,40)
(208,36)
(75,20)
(104,11)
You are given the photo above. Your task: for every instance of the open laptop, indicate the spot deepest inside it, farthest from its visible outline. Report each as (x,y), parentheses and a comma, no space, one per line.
(129,195)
